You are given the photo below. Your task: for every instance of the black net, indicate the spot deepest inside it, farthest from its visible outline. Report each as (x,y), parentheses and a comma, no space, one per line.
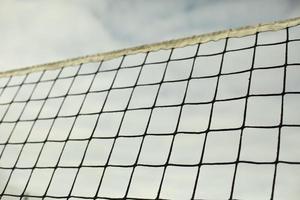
(218,120)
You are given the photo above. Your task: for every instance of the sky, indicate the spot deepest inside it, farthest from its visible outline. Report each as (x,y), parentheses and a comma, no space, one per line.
(58,108)
(35,32)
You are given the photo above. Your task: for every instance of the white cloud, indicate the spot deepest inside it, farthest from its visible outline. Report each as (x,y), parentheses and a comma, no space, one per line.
(36,32)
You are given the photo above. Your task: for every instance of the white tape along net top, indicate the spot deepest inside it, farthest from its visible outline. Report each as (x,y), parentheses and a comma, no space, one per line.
(210,120)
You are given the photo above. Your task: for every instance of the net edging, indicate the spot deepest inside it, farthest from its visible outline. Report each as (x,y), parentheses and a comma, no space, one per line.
(175,43)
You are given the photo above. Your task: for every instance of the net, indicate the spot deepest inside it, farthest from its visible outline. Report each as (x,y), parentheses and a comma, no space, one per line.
(208,117)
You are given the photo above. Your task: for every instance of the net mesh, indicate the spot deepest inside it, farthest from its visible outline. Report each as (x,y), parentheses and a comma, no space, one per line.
(214,120)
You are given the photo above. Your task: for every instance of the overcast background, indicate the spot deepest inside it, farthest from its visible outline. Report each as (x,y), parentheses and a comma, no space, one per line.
(34,32)
(38,32)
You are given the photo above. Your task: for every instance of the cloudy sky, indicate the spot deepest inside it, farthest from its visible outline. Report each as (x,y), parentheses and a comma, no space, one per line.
(58,108)
(34,32)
